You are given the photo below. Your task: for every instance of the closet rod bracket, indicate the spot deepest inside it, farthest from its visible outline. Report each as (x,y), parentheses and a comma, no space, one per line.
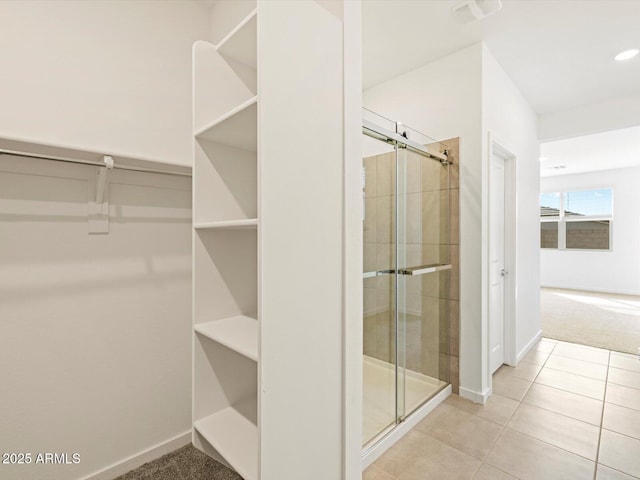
(102,178)
(99,201)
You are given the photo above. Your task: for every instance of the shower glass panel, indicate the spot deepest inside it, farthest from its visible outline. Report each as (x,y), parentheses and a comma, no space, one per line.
(406,263)
(379,282)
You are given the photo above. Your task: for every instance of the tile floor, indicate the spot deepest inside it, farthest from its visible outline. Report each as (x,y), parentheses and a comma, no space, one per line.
(566,412)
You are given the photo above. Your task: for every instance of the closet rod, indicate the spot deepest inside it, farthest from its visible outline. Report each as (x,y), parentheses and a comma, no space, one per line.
(88,162)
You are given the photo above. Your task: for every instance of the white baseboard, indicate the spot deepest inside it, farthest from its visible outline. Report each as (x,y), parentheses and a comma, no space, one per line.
(475,397)
(134,461)
(528,346)
(399,431)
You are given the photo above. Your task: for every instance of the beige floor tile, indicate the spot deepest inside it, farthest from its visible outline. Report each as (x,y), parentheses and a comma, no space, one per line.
(510,387)
(620,453)
(582,352)
(625,396)
(563,432)
(570,404)
(418,456)
(544,345)
(606,473)
(625,361)
(626,378)
(466,432)
(497,409)
(535,357)
(577,367)
(525,370)
(487,472)
(376,473)
(571,383)
(530,459)
(622,420)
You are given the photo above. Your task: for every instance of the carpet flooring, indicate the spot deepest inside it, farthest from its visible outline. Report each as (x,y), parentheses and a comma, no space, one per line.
(600,320)
(186,463)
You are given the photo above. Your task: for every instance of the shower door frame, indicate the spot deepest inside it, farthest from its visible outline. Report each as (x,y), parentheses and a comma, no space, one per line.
(403,421)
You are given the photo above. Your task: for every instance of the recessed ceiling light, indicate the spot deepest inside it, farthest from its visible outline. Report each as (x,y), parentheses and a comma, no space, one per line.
(627,54)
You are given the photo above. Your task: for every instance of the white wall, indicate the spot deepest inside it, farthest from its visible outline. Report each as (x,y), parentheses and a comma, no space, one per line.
(613,114)
(95,330)
(508,119)
(301,241)
(615,271)
(100,75)
(444,100)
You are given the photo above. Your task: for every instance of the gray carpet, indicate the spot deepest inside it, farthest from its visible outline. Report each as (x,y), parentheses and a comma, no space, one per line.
(600,320)
(186,463)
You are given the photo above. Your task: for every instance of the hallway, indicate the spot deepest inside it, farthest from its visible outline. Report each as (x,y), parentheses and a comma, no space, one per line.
(566,411)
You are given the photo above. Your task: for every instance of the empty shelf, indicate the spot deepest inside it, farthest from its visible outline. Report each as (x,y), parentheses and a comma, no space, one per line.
(234,436)
(237,128)
(232,224)
(240,334)
(241,43)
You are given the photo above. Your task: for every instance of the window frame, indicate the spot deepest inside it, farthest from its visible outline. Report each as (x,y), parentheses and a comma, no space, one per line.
(562,220)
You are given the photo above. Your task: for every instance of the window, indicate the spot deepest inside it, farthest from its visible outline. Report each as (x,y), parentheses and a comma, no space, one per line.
(577,220)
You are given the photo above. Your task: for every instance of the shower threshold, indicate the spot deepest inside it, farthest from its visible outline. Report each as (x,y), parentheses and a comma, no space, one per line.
(422,394)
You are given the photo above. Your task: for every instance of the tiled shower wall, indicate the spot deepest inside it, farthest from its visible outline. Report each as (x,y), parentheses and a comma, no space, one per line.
(430,312)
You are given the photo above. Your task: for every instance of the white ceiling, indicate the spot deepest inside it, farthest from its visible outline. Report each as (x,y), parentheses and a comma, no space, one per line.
(558,52)
(590,153)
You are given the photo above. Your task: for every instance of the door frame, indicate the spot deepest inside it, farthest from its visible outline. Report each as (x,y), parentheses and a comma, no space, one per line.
(498,148)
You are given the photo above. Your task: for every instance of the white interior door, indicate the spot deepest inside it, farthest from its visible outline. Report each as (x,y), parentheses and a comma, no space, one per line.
(497,264)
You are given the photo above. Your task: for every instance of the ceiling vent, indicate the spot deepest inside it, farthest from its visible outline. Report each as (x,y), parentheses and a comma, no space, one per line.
(473,10)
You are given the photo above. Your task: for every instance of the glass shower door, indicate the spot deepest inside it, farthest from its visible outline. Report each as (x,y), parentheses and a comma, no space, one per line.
(422,266)
(405,215)
(379,287)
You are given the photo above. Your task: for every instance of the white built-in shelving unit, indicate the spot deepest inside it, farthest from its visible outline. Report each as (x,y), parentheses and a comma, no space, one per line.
(268,126)
(225,106)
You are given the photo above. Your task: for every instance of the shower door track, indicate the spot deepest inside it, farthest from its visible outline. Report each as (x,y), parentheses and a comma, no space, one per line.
(375,131)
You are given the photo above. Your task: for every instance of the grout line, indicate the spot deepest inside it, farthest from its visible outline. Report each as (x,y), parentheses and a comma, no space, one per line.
(579,359)
(595,473)
(622,435)
(577,374)
(552,445)
(569,391)
(620,471)
(562,414)
(520,402)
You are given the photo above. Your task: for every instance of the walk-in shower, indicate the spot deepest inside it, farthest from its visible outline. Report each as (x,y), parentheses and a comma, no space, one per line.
(410,272)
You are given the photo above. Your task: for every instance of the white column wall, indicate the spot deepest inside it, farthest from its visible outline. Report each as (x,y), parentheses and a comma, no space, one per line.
(508,118)
(301,240)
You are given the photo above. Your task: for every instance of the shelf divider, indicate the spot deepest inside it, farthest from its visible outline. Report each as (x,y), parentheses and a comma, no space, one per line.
(240,44)
(236,128)
(229,224)
(234,434)
(239,333)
